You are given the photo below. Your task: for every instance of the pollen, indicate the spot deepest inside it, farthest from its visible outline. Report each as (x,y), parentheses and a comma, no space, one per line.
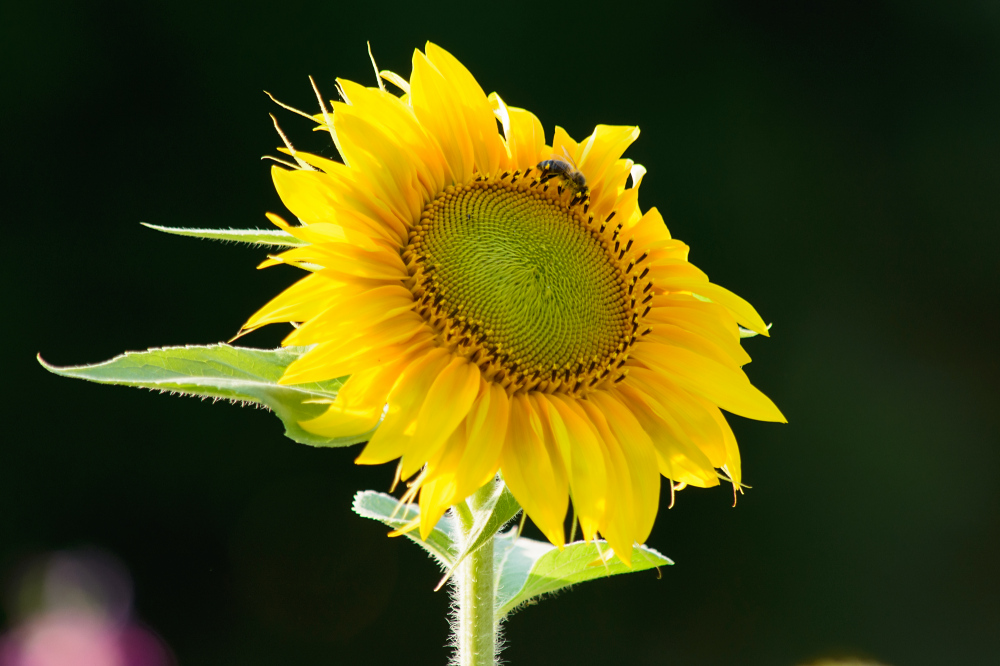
(519,280)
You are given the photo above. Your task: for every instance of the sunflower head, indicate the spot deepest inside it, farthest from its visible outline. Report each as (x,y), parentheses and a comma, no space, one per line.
(503,304)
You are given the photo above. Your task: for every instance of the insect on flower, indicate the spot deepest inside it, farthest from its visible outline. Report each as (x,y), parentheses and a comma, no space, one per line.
(572,177)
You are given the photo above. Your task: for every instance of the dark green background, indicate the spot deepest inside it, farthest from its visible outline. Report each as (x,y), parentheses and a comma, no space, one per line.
(836,163)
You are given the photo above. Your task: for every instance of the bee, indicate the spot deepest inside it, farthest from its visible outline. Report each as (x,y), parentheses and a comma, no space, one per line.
(565,169)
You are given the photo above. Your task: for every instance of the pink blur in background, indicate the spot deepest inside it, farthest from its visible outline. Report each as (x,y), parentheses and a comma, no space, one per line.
(74,608)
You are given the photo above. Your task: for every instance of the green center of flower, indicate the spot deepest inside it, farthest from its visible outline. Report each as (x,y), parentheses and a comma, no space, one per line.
(516,279)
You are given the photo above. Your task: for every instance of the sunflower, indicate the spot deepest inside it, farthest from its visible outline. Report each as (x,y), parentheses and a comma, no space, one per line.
(504,305)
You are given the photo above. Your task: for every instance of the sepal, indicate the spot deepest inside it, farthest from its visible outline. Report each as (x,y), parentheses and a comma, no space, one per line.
(259,237)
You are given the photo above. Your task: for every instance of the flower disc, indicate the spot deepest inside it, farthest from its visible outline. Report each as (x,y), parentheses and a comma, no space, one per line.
(523,279)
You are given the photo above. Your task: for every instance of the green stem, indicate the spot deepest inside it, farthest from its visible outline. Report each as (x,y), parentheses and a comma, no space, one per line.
(475,595)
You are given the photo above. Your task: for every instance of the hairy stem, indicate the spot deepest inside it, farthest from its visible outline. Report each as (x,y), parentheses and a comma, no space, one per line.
(475,597)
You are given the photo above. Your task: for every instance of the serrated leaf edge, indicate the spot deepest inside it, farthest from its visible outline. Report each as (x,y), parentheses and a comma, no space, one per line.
(411,512)
(516,603)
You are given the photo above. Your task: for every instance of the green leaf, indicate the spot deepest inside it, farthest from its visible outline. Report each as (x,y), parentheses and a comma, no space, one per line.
(387,509)
(238,374)
(529,568)
(498,509)
(270,237)
(525,569)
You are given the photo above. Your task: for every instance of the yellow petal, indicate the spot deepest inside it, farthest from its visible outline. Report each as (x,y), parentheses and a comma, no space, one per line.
(469,458)
(678,457)
(563,145)
(371,152)
(436,495)
(582,456)
(523,131)
(618,526)
(437,107)
(605,194)
(323,164)
(398,119)
(627,206)
(303,300)
(313,196)
(675,405)
(651,232)
(598,160)
(378,264)
(666,272)
(709,319)
(360,352)
(486,428)
(359,403)
(404,402)
(446,405)
(477,113)
(330,359)
(534,472)
(603,148)
(640,456)
(732,459)
(706,341)
(742,310)
(348,229)
(670,334)
(357,311)
(727,387)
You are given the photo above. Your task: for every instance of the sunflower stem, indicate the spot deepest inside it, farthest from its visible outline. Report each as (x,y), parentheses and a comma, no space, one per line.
(475,594)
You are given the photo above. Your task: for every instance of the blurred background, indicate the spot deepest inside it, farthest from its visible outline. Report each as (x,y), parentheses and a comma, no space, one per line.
(836,163)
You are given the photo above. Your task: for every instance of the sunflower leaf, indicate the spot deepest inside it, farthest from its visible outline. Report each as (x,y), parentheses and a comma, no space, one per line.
(270,237)
(223,372)
(527,569)
(387,509)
